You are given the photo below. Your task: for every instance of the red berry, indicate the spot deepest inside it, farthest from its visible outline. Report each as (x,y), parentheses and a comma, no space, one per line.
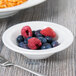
(48,32)
(34,43)
(26,32)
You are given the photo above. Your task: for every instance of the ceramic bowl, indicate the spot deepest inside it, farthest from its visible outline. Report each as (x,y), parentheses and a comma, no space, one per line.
(65,38)
(6,12)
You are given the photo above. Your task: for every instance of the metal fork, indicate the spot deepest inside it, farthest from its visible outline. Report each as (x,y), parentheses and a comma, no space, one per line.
(6,63)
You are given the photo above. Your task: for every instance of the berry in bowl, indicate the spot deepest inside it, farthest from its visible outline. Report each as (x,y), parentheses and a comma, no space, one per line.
(37,39)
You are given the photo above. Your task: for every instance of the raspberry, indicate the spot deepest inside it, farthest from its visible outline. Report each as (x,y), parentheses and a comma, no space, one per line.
(48,32)
(26,31)
(34,43)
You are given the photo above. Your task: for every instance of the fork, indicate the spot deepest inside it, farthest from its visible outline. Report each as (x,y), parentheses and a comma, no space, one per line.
(6,63)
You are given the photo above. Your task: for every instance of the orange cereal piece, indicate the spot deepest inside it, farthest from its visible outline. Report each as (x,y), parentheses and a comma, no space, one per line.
(10,3)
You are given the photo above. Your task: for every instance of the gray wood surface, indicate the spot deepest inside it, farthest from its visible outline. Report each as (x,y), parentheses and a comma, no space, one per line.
(61,64)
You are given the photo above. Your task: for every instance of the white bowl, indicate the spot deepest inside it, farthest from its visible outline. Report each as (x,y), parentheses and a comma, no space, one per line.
(6,12)
(65,38)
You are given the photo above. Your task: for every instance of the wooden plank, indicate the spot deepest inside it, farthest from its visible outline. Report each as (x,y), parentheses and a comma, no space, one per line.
(60,64)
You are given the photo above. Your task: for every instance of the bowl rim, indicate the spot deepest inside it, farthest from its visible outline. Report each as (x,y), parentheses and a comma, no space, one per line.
(38,52)
(27,4)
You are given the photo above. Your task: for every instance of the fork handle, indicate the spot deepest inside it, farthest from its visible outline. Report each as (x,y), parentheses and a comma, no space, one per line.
(36,73)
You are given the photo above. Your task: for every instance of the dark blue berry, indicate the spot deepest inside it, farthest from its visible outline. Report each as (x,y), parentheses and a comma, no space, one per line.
(29,38)
(33,33)
(54,44)
(25,41)
(38,35)
(23,45)
(38,31)
(20,39)
(46,46)
(43,40)
(49,39)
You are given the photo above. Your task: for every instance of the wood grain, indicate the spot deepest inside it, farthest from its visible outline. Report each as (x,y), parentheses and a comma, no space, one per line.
(61,64)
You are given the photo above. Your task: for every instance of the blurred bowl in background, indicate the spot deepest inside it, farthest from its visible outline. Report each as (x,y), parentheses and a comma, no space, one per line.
(6,12)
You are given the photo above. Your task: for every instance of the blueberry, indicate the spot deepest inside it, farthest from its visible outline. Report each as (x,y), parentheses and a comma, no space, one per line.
(54,44)
(38,31)
(38,35)
(25,41)
(33,33)
(23,45)
(20,39)
(46,46)
(49,39)
(29,38)
(42,39)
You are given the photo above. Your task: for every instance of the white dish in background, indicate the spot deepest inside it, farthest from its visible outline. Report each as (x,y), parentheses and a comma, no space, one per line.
(65,38)
(6,12)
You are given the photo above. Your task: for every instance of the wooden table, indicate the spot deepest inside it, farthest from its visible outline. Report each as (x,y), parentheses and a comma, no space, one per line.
(61,64)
